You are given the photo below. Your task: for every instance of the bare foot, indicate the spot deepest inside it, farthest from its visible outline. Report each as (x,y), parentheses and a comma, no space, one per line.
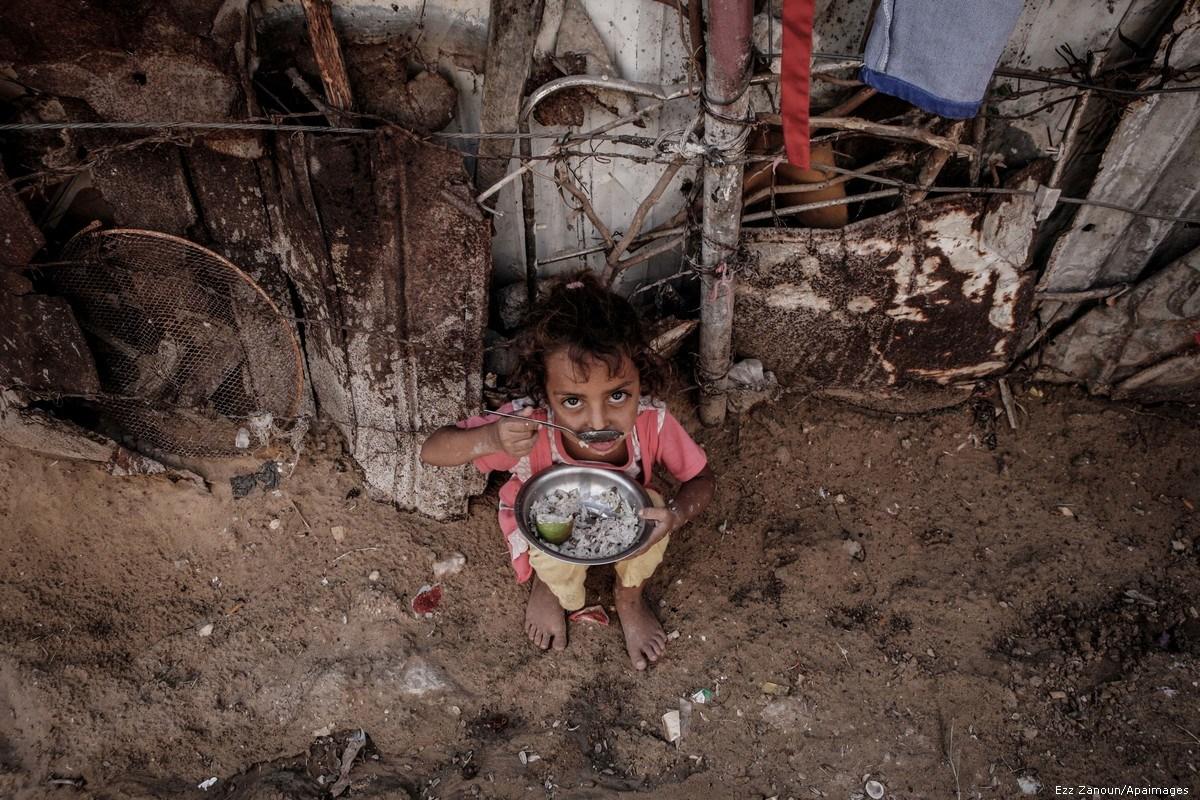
(545,622)
(644,637)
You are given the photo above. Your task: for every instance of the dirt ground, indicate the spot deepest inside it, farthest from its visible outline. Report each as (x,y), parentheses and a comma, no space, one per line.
(933,602)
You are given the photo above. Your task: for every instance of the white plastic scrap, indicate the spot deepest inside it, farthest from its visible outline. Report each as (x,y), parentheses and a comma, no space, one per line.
(450,565)
(206,785)
(874,789)
(671,725)
(1029,785)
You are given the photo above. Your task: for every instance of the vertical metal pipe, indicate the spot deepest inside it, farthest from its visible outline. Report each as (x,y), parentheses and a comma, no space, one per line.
(726,102)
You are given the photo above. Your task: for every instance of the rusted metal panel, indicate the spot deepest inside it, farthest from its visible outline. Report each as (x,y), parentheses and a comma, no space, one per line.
(935,292)
(392,274)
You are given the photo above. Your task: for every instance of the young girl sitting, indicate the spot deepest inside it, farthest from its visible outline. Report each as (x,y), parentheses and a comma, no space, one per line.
(586,365)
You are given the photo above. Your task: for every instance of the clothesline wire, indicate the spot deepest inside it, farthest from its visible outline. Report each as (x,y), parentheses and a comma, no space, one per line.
(581,154)
(1023,74)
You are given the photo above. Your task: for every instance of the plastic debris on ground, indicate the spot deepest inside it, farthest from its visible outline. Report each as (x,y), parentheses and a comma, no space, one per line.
(671,728)
(595,614)
(874,789)
(427,599)
(450,565)
(206,785)
(266,476)
(1029,785)
(701,696)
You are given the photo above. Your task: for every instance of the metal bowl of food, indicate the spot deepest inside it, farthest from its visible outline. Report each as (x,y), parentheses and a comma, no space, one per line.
(583,515)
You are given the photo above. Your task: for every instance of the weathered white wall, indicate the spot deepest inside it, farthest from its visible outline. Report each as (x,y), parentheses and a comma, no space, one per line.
(643,39)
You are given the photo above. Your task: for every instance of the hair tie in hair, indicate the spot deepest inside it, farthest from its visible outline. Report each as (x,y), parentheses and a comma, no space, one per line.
(575,285)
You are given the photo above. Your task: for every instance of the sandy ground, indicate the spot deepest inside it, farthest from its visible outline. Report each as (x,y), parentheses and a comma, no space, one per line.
(933,602)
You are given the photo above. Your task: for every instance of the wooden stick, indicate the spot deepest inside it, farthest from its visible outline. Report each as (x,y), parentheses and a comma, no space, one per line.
(562,176)
(837,201)
(878,166)
(645,254)
(1007,399)
(1087,294)
(859,97)
(933,166)
(978,136)
(310,94)
(328,53)
(639,219)
(879,129)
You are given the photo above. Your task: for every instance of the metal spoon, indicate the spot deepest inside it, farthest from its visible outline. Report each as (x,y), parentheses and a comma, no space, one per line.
(583,437)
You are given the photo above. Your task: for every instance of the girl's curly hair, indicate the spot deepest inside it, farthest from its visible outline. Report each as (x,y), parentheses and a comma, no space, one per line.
(591,323)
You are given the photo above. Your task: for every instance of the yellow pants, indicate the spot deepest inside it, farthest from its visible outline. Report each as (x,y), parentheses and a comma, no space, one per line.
(566,580)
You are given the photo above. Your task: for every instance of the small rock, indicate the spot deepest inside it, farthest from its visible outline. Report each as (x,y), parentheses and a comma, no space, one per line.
(1084,459)
(1030,733)
(840,499)
(1058,694)
(1029,784)
(783,456)
(421,678)
(374,576)
(874,789)
(450,565)
(906,444)
(274,524)
(855,549)
(1178,546)
(673,635)
(1066,511)
(775,689)
(205,630)
(339,533)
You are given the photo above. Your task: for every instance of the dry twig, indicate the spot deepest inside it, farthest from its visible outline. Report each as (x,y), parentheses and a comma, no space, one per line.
(562,176)
(879,129)
(639,219)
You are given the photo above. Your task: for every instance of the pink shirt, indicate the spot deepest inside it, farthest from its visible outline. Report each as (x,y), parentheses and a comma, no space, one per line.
(657,440)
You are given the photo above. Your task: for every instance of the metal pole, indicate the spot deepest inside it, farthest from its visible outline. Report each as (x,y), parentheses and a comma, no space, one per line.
(726,105)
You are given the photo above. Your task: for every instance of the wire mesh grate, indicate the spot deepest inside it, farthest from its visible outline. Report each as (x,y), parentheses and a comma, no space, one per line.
(194,359)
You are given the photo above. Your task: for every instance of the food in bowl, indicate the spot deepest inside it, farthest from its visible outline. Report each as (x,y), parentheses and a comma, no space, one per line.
(594,527)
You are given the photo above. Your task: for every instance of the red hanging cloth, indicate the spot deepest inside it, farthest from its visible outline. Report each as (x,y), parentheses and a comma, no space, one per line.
(797,61)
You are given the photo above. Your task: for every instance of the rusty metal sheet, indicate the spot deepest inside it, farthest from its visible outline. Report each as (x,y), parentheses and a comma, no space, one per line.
(392,270)
(935,293)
